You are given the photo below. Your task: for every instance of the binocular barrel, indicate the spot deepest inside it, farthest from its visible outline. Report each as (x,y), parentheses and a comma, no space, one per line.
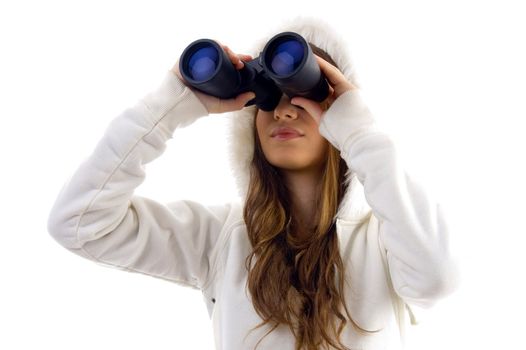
(285,66)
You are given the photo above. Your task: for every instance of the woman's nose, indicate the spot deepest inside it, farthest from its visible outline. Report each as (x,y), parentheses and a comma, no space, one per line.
(285,110)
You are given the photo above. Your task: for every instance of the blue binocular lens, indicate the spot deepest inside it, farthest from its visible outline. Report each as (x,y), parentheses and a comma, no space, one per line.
(287,57)
(203,63)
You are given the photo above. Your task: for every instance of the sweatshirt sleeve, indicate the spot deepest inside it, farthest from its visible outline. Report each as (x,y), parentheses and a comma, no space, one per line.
(97,216)
(412,226)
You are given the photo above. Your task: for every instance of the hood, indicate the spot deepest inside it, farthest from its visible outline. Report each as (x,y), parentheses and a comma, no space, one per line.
(240,138)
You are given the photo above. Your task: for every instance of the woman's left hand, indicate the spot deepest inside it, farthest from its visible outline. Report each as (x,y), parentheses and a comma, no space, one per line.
(338,85)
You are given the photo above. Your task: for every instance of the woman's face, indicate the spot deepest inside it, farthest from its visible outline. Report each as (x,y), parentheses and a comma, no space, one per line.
(290,138)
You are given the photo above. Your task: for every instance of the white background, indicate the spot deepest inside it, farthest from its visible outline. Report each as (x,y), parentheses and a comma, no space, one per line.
(445,78)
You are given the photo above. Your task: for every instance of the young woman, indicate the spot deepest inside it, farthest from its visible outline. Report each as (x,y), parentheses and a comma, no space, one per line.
(331,245)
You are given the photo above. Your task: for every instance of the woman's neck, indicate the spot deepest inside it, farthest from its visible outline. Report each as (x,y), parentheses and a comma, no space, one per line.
(303,188)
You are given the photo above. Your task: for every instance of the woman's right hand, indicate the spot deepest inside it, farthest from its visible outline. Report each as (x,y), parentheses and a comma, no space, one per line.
(217,105)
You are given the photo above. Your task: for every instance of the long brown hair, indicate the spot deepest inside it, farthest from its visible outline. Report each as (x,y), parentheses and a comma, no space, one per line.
(293,282)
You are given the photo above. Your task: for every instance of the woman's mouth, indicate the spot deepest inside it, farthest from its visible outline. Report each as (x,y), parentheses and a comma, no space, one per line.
(286,136)
(285,133)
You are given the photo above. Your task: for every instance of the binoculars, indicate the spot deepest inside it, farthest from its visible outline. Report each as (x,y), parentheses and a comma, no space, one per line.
(285,66)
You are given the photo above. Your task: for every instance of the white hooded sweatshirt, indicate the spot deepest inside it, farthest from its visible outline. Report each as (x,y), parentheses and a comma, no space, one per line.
(393,236)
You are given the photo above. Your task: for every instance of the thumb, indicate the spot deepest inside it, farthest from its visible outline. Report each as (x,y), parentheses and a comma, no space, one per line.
(313,108)
(243,98)
(237,103)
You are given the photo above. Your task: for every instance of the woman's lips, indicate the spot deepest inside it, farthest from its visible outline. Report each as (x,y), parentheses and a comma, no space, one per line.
(285,133)
(286,136)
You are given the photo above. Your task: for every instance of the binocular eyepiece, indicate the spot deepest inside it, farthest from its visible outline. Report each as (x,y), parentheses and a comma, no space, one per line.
(286,65)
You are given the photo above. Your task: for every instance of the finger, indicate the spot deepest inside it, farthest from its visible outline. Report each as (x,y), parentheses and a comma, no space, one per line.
(313,108)
(325,64)
(242,99)
(245,57)
(235,59)
(327,103)
(331,90)
(335,77)
(236,103)
(228,51)
(332,73)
